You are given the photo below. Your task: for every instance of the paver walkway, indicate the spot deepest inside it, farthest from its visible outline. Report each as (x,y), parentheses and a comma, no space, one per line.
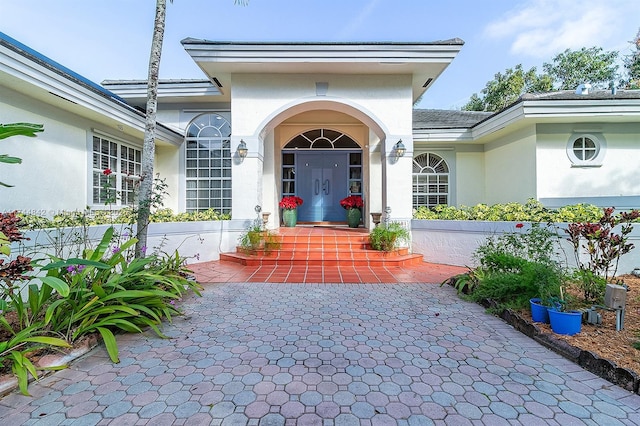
(326,354)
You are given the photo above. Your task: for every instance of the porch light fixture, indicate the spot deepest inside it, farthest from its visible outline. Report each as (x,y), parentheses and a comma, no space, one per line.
(399,149)
(242,149)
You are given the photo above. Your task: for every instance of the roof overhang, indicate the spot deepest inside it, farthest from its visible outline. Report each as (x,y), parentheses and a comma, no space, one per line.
(27,72)
(423,61)
(528,112)
(172,91)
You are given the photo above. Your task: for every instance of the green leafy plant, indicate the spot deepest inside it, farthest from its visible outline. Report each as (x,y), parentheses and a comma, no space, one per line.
(603,247)
(531,211)
(519,265)
(16,129)
(466,283)
(109,291)
(388,237)
(16,349)
(256,237)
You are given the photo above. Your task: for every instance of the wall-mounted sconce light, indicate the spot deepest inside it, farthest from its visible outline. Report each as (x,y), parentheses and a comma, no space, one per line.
(399,149)
(242,149)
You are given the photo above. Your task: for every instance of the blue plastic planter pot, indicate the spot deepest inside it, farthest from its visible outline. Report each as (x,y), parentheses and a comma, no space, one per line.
(539,312)
(568,323)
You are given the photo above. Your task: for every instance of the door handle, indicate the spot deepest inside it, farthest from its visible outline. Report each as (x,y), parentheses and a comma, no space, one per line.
(326,187)
(317,187)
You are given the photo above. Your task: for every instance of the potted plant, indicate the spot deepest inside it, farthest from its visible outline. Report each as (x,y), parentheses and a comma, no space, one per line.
(289,206)
(256,237)
(548,278)
(563,319)
(387,237)
(352,204)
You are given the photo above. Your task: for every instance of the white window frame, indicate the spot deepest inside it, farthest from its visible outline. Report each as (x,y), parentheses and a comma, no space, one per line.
(433,174)
(211,181)
(600,150)
(123,182)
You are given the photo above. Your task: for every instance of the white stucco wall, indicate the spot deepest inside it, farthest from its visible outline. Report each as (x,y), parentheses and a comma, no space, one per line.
(617,178)
(53,173)
(257,101)
(453,242)
(510,167)
(470,171)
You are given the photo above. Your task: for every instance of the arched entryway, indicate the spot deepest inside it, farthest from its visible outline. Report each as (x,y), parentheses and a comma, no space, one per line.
(322,166)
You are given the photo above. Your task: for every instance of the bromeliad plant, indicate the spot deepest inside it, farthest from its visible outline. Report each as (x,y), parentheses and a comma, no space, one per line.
(290,202)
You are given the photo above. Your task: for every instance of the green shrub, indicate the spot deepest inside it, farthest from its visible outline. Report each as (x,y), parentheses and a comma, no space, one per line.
(531,211)
(519,280)
(388,237)
(108,217)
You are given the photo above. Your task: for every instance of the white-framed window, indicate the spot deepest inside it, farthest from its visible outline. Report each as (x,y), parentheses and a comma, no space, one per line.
(208,164)
(119,185)
(586,150)
(430,180)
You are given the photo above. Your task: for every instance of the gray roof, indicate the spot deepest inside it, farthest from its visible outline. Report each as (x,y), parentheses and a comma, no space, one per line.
(446,119)
(570,95)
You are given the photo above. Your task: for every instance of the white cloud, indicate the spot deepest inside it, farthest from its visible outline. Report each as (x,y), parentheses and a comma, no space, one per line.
(543,28)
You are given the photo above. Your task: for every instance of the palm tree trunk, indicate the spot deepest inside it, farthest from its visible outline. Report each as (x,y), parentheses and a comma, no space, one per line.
(148,148)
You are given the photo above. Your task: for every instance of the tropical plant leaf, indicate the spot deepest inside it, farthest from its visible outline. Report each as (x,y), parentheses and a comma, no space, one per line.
(4,158)
(57,284)
(75,261)
(51,341)
(110,343)
(20,129)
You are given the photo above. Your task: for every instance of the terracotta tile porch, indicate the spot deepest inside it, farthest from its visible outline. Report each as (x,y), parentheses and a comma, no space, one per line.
(323,255)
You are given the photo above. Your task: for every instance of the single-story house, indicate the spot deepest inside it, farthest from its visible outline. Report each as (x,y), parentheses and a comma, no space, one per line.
(318,120)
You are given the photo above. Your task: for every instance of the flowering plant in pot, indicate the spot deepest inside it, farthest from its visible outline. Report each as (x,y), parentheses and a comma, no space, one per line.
(289,206)
(352,202)
(290,202)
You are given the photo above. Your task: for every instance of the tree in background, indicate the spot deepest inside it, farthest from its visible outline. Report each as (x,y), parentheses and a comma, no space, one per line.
(567,70)
(571,68)
(506,88)
(632,65)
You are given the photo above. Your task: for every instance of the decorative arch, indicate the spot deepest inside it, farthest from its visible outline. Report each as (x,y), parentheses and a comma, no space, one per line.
(208,164)
(430,181)
(289,110)
(322,139)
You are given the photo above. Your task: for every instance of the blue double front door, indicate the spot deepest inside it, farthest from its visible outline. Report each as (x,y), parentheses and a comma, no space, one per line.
(321,181)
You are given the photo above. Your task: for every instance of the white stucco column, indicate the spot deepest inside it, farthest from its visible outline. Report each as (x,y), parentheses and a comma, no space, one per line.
(397,178)
(246,178)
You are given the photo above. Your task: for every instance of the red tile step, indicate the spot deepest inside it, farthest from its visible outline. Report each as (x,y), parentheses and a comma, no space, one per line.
(316,246)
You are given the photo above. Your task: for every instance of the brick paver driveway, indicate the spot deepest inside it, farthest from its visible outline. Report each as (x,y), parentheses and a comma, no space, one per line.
(272,354)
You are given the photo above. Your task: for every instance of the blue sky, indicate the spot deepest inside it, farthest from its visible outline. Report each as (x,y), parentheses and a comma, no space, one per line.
(111,39)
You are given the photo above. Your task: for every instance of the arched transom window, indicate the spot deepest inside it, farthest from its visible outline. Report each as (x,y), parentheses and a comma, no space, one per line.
(208,168)
(430,180)
(322,139)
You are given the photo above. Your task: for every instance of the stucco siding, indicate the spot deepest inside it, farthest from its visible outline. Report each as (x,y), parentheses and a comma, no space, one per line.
(510,165)
(53,173)
(618,175)
(469,189)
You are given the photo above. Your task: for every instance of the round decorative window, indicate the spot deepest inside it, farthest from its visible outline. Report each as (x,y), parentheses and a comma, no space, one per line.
(586,150)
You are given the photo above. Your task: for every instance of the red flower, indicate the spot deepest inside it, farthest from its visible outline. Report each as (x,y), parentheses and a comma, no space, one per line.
(107,171)
(290,202)
(352,202)
(519,225)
